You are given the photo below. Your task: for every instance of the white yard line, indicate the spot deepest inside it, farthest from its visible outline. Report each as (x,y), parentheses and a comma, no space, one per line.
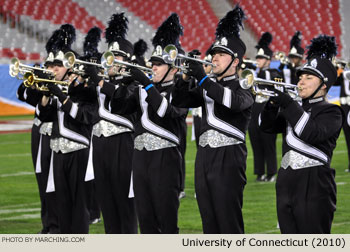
(16,174)
(15,142)
(20,205)
(15,155)
(20,210)
(22,217)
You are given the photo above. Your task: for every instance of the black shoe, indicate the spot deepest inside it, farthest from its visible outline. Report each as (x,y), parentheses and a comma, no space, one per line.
(260,178)
(182,195)
(43,231)
(270,178)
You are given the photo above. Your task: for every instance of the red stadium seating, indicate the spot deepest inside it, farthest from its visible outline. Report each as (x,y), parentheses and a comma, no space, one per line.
(197,17)
(56,11)
(283,17)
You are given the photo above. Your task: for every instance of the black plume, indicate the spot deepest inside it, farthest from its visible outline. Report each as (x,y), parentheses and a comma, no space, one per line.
(140,47)
(168,32)
(231,23)
(323,46)
(66,37)
(91,41)
(296,40)
(51,43)
(264,41)
(117,27)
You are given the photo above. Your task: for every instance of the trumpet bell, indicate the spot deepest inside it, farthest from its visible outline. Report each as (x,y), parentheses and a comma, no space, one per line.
(247,79)
(69,60)
(347,74)
(107,59)
(169,54)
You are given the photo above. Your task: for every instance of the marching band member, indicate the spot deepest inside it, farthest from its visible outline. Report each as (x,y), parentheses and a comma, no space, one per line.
(263,144)
(295,60)
(344,99)
(305,188)
(113,140)
(156,159)
(226,107)
(72,116)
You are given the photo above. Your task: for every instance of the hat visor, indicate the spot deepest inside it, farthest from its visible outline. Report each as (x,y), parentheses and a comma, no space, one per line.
(220,49)
(309,70)
(157,59)
(262,57)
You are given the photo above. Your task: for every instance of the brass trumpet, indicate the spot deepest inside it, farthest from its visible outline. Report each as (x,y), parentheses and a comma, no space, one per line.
(16,68)
(70,60)
(170,54)
(281,56)
(108,60)
(248,81)
(32,80)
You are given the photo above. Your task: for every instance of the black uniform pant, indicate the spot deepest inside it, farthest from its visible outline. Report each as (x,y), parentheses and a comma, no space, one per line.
(157,178)
(69,175)
(346,129)
(49,216)
(112,158)
(306,200)
(197,120)
(263,145)
(219,182)
(183,153)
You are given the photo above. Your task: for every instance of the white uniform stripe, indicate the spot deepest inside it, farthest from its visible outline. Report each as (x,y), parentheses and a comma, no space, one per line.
(25,94)
(69,133)
(299,127)
(104,113)
(226,101)
(151,126)
(217,123)
(73,110)
(37,110)
(303,147)
(162,108)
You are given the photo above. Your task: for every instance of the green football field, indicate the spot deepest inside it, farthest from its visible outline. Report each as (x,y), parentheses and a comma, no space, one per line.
(20,206)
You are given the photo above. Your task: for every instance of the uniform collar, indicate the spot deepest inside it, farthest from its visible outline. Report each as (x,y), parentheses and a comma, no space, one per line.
(229,78)
(308,101)
(166,84)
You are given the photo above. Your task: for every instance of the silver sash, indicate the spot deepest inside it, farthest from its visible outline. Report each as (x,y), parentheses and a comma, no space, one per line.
(151,142)
(215,139)
(46,128)
(65,146)
(107,129)
(298,161)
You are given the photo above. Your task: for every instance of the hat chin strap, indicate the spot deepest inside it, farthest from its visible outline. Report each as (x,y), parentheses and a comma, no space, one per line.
(229,65)
(315,92)
(165,75)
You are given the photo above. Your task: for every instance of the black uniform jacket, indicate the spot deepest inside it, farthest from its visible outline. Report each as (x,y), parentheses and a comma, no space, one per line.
(104,103)
(74,119)
(226,107)
(311,129)
(154,112)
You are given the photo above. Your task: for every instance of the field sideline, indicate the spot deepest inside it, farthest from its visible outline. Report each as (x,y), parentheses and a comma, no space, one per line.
(20,207)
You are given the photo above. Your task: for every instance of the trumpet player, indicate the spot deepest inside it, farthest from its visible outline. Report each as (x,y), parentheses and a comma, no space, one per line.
(72,115)
(112,140)
(263,144)
(156,159)
(294,61)
(344,100)
(305,187)
(221,156)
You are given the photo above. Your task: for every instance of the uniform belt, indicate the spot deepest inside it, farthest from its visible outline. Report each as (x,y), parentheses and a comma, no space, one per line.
(297,161)
(46,128)
(65,146)
(215,139)
(108,129)
(36,121)
(151,142)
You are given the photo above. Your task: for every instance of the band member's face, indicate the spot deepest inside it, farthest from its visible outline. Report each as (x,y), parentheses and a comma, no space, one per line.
(295,61)
(115,69)
(262,63)
(59,71)
(221,60)
(307,85)
(159,70)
